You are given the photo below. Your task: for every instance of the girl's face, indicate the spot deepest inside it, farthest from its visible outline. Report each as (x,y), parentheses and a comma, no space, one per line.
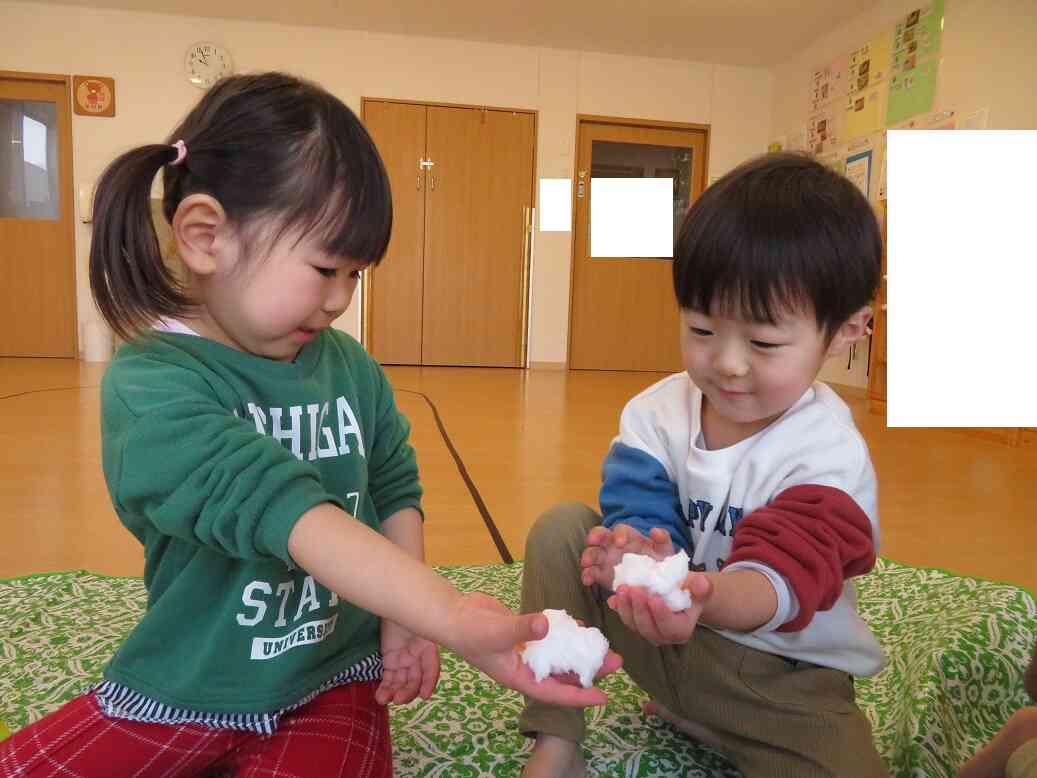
(272,305)
(750,373)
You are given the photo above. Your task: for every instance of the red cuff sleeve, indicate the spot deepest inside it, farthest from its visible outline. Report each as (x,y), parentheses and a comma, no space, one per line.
(816,537)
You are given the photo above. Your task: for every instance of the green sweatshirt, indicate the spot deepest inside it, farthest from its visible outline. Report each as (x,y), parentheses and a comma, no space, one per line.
(211,455)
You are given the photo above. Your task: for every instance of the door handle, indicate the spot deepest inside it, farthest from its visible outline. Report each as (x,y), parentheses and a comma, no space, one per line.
(528,222)
(427,164)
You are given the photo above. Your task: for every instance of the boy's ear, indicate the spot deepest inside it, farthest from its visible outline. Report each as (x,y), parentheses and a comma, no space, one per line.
(852,330)
(200,229)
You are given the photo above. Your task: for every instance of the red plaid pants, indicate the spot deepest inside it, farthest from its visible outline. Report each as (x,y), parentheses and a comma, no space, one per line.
(343,732)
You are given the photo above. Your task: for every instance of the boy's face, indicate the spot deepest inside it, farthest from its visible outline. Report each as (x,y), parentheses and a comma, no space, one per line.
(752,372)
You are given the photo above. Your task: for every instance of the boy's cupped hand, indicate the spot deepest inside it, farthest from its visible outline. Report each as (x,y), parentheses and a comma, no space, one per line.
(605,549)
(494,639)
(650,617)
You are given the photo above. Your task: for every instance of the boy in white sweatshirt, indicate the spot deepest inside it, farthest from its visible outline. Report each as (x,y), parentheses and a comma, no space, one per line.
(755,469)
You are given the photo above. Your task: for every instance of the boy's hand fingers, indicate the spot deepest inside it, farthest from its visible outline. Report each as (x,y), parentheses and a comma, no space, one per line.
(661,541)
(590,557)
(618,603)
(598,536)
(644,618)
(622,603)
(626,536)
(619,537)
(674,627)
(699,586)
(595,567)
(650,617)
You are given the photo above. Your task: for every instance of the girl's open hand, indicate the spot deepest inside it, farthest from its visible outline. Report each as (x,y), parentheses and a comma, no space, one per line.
(494,638)
(410,666)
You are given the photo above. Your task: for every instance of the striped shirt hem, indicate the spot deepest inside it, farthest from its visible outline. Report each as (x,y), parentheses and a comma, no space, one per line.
(121,702)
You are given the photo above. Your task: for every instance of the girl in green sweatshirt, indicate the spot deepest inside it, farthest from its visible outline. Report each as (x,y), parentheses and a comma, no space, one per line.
(258,455)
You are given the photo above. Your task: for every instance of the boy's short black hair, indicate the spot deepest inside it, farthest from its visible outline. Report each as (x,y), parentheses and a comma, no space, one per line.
(779,233)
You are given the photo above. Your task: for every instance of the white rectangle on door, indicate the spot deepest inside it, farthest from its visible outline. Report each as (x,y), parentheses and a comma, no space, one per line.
(631,217)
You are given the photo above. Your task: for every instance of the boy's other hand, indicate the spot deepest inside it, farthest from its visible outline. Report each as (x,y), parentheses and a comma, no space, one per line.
(650,617)
(605,549)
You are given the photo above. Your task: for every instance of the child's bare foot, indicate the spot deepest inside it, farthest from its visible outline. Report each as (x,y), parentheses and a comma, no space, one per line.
(992,759)
(555,757)
(692,729)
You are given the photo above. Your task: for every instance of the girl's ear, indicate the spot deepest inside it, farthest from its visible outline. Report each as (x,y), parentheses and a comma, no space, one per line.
(852,330)
(200,229)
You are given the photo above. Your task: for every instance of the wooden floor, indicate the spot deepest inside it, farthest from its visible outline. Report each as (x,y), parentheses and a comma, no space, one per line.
(527,439)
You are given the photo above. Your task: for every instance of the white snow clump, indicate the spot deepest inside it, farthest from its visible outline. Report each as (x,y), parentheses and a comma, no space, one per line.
(663,578)
(566,647)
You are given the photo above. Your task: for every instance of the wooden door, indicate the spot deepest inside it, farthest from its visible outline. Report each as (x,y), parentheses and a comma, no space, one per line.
(877,365)
(393,293)
(623,313)
(37,250)
(477,221)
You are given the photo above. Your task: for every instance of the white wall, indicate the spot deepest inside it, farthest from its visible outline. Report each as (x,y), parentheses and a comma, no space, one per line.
(145,52)
(989,57)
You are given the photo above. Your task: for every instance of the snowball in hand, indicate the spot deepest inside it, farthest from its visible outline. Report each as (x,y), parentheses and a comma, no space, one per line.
(566,647)
(662,578)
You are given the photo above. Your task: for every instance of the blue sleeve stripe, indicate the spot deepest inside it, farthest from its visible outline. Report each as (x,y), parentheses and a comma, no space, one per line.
(636,490)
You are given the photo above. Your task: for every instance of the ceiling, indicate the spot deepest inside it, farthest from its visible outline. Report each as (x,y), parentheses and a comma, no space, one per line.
(734,32)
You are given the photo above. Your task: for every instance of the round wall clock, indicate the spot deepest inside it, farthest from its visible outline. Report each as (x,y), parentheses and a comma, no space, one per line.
(206,63)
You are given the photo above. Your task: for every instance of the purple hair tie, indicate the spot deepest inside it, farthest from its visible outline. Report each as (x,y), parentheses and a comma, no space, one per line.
(181,152)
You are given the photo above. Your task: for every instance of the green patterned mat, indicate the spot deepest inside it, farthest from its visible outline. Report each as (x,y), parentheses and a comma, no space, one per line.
(958,647)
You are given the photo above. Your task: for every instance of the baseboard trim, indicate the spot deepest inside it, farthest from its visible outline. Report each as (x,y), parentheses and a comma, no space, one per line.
(548,366)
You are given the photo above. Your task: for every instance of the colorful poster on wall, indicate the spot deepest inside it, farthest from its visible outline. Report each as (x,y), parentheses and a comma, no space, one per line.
(866,82)
(917,36)
(827,97)
(828,84)
(823,131)
(864,113)
(916,58)
(912,92)
(937,120)
(858,170)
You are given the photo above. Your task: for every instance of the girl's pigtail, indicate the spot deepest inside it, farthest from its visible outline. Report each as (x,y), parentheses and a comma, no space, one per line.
(130,283)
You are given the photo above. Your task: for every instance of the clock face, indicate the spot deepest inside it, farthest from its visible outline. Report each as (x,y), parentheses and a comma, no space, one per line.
(206,64)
